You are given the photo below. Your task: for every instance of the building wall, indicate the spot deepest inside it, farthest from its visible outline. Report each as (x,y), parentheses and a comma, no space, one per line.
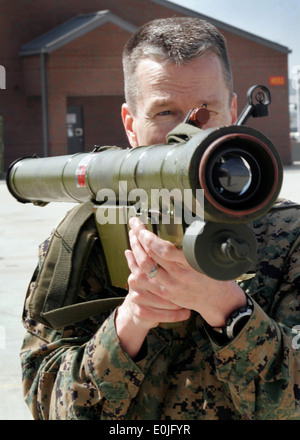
(88,71)
(88,67)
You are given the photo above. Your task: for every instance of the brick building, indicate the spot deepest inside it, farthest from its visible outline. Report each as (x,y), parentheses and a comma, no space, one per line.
(64,83)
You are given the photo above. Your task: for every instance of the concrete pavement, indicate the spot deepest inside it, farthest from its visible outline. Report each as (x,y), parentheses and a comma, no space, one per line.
(22,229)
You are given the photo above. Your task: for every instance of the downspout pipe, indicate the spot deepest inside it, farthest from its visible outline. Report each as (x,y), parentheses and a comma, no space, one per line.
(44,96)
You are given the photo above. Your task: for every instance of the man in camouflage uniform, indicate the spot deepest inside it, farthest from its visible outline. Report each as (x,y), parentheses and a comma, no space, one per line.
(124,365)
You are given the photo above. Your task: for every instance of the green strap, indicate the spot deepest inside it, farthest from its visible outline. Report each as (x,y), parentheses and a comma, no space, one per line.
(55,312)
(77,312)
(63,266)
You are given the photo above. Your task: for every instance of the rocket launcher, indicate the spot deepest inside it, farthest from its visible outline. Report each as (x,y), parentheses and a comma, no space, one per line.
(201,190)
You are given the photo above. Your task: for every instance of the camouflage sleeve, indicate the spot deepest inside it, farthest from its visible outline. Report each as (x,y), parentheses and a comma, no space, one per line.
(67,378)
(261,366)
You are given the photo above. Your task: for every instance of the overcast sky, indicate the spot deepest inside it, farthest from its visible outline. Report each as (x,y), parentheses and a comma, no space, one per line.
(276,20)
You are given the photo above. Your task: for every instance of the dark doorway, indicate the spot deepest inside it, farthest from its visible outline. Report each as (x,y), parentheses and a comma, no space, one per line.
(102,120)
(75,130)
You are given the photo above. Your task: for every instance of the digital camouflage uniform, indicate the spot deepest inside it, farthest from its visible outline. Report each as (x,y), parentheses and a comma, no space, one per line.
(81,371)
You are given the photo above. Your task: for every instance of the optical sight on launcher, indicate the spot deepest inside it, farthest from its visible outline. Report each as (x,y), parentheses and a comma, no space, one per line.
(237,170)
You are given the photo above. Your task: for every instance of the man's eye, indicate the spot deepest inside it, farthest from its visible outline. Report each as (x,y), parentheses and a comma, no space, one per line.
(165,113)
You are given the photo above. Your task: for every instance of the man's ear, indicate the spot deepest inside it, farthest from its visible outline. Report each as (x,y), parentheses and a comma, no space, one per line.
(128,122)
(233,109)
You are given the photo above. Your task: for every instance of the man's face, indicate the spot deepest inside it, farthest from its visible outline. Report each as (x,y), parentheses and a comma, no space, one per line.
(167,92)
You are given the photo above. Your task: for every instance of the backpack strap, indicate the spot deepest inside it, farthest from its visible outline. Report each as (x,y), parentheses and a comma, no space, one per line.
(61,254)
(53,299)
(68,315)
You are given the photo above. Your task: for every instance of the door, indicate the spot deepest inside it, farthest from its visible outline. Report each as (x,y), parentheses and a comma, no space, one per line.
(75,131)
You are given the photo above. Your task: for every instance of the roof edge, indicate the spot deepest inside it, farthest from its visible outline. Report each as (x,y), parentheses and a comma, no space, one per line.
(41,45)
(224,26)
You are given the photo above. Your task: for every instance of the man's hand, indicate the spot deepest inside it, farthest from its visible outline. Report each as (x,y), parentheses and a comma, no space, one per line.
(169,296)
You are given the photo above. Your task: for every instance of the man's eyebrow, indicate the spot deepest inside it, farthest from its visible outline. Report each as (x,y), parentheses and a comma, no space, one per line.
(161,102)
(156,105)
(211,101)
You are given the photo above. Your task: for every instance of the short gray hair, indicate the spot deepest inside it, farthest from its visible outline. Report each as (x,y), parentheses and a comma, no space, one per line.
(178,40)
